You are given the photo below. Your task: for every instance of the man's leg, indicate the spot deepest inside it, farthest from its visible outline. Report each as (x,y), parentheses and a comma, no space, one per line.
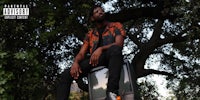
(115,57)
(63,86)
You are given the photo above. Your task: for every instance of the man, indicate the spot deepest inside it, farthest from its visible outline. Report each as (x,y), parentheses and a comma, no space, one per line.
(104,42)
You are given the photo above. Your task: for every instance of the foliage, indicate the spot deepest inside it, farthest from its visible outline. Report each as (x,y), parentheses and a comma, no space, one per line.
(148,90)
(31,49)
(5,76)
(78,96)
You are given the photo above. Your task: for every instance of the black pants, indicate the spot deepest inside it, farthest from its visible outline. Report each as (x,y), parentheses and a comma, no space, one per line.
(112,58)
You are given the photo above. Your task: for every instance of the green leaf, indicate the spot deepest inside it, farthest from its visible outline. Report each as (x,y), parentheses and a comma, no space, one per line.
(3,54)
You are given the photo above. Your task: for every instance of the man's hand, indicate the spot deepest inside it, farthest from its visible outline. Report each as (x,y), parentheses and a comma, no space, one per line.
(75,70)
(95,56)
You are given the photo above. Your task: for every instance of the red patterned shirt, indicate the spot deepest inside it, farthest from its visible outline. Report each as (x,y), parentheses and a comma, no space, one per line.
(108,36)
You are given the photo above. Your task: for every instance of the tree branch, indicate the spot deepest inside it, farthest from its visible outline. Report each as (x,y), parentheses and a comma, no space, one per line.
(135,39)
(130,14)
(172,39)
(152,71)
(157,31)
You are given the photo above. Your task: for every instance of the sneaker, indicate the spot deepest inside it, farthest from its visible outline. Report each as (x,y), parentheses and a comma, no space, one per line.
(111,96)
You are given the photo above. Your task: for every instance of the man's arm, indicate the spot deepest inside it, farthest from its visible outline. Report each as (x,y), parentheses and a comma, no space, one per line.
(80,56)
(75,69)
(119,40)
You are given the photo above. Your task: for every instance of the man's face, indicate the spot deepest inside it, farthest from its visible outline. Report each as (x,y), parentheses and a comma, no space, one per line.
(98,15)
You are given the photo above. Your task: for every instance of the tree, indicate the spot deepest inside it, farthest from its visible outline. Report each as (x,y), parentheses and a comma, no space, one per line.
(168,28)
(30,48)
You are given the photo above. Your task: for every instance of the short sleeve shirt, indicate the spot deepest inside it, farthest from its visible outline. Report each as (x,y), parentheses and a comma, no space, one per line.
(108,36)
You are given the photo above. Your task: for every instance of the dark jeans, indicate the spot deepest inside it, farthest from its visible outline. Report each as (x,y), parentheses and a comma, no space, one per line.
(112,58)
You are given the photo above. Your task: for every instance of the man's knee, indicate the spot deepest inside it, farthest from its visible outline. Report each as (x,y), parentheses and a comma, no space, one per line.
(66,75)
(115,50)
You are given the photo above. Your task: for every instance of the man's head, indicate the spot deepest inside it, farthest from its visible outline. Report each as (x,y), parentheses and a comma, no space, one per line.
(97,14)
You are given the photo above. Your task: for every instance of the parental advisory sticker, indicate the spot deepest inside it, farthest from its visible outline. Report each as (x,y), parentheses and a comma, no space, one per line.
(15,11)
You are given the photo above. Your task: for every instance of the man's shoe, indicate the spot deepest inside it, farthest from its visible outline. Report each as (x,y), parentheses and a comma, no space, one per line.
(111,96)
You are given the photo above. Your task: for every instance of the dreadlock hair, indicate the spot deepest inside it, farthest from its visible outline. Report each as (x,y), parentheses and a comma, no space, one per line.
(92,9)
(90,23)
(90,14)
